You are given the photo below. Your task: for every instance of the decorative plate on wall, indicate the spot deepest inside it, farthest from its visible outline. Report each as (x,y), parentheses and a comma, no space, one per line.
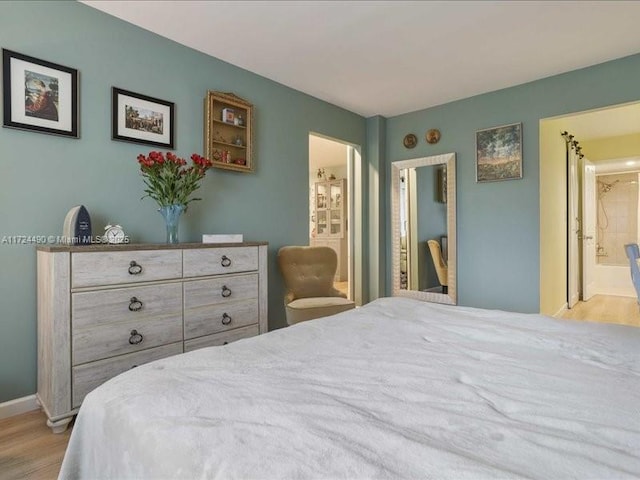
(432,136)
(410,140)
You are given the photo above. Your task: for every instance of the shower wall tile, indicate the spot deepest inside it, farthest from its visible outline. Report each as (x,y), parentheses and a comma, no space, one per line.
(617,216)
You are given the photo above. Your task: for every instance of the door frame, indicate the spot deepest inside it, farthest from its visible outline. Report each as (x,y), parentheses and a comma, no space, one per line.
(588,233)
(355,217)
(573,229)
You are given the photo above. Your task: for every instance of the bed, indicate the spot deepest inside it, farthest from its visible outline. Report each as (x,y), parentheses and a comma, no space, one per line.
(398,388)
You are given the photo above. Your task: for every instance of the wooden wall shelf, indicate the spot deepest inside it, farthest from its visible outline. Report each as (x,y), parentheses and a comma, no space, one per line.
(227,118)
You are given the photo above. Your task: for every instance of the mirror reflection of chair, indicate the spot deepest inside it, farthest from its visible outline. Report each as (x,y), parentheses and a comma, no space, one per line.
(309,274)
(440,263)
(633,254)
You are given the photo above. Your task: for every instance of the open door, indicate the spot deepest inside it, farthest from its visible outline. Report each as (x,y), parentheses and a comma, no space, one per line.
(588,228)
(573,230)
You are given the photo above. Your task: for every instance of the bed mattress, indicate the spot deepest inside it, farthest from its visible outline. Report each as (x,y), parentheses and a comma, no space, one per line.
(395,389)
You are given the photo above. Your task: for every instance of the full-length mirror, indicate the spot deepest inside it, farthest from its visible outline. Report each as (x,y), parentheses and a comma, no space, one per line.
(423,224)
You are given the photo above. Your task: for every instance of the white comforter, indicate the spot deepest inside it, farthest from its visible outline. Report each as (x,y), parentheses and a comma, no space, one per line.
(395,389)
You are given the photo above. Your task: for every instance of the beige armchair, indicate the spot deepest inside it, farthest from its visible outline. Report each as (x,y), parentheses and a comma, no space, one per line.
(440,263)
(308,274)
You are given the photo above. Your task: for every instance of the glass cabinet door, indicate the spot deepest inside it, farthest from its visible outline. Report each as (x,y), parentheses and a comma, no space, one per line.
(336,223)
(321,196)
(336,195)
(322,222)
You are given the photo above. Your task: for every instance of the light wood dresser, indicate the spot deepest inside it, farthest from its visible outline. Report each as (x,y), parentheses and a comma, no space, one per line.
(104,309)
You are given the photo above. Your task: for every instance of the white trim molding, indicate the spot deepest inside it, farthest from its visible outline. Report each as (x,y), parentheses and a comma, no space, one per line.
(18,406)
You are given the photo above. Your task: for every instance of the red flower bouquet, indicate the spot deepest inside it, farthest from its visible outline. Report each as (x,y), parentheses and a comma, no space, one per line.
(168,180)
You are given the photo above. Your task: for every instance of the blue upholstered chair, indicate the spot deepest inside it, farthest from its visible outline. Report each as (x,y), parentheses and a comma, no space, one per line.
(633,252)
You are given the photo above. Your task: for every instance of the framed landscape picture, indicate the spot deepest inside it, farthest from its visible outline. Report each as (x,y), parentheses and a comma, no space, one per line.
(141,119)
(499,153)
(38,95)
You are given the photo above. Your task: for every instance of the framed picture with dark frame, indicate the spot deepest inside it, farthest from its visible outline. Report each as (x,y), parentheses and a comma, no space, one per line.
(142,119)
(39,95)
(499,153)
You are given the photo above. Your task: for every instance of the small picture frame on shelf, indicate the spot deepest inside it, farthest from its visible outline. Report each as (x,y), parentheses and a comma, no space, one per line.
(228,115)
(39,96)
(228,136)
(141,119)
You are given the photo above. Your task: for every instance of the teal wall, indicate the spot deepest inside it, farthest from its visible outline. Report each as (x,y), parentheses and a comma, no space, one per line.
(43,176)
(375,261)
(498,222)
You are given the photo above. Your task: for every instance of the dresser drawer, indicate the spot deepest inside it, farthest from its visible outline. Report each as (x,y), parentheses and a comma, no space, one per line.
(221,338)
(112,339)
(90,269)
(87,377)
(89,309)
(207,301)
(220,317)
(216,261)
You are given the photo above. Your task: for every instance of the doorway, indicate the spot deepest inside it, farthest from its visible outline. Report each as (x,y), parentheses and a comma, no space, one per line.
(331,200)
(589,171)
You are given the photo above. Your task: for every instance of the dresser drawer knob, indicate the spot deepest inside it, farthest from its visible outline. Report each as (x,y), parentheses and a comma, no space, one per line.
(134,268)
(226,261)
(135,337)
(226,292)
(226,319)
(135,305)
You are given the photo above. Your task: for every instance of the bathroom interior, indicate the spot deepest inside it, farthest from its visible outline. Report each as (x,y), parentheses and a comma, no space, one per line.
(617,224)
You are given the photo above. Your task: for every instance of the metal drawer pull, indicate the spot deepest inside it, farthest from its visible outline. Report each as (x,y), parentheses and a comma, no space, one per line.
(135,337)
(226,319)
(134,268)
(225,291)
(135,305)
(226,261)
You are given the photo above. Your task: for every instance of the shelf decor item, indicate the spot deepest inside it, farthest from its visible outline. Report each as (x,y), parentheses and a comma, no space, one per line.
(39,96)
(138,118)
(228,132)
(170,183)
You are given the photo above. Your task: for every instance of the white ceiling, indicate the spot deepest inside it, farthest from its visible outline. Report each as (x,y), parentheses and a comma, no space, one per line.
(389,58)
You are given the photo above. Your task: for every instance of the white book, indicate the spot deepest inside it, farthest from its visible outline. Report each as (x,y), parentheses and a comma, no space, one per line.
(222,238)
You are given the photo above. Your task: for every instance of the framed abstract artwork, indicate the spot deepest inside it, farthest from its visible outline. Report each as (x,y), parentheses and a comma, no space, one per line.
(39,96)
(138,118)
(499,153)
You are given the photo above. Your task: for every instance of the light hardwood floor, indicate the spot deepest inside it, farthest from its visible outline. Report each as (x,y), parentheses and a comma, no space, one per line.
(606,309)
(28,448)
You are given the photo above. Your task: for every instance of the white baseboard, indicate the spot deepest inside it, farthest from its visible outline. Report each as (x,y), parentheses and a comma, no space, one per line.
(559,313)
(18,406)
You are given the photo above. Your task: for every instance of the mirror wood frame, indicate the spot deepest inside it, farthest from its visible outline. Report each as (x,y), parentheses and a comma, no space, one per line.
(448,159)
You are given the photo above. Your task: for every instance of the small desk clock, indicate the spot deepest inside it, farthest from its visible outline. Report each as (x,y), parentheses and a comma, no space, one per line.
(114,234)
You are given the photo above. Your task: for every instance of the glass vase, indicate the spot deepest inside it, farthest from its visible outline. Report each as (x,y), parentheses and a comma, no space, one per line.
(171,215)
